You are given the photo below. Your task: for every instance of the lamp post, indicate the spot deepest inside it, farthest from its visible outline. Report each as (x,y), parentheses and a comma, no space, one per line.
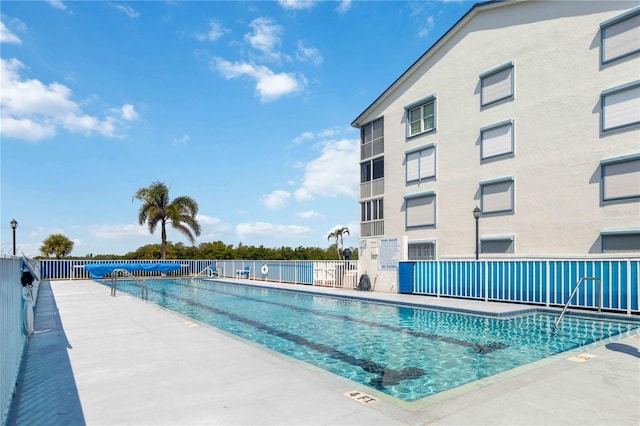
(476,214)
(14,225)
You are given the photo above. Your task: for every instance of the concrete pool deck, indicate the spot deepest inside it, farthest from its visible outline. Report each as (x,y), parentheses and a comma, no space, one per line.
(102,360)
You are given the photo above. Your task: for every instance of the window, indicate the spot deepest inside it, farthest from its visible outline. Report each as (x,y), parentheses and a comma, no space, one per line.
(497,196)
(620,107)
(621,241)
(497,84)
(372,170)
(371,210)
(420,210)
(421,164)
(497,140)
(372,139)
(371,218)
(496,245)
(421,116)
(422,250)
(620,36)
(620,178)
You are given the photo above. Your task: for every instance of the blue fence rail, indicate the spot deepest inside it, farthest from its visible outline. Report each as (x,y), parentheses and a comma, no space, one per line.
(544,282)
(12,331)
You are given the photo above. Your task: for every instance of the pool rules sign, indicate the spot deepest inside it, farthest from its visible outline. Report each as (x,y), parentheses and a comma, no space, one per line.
(390,251)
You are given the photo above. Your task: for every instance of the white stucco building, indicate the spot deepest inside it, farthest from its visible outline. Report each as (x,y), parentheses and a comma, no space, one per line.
(529,110)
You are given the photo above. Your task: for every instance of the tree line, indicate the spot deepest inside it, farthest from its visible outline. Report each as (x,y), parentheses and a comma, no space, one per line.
(221,251)
(158,210)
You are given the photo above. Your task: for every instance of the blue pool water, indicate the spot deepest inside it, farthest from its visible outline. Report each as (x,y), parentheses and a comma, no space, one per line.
(406,352)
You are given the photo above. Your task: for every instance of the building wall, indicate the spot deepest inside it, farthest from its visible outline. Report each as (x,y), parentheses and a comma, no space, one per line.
(555,50)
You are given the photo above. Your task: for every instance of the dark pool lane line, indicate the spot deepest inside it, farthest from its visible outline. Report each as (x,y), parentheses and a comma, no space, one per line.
(386,376)
(476,347)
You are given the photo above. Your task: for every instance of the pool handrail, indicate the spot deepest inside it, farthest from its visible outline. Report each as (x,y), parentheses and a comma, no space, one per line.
(140,281)
(212,271)
(580,281)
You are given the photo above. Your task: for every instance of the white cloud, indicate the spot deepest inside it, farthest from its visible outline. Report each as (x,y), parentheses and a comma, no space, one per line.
(271,232)
(26,129)
(6,36)
(128,112)
(57,4)
(32,110)
(344,6)
(212,227)
(309,214)
(127,10)
(265,38)
(333,173)
(303,137)
(297,4)
(182,140)
(426,28)
(215,31)
(309,54)
(115,232)
(269,86)
(276,200)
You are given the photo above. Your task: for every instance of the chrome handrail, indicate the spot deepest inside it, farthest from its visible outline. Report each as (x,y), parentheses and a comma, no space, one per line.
(114,280)
(201,273)
(580,281)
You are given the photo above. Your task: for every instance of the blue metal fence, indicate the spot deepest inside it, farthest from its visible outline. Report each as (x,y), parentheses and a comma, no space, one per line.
(12,334)
(545,282)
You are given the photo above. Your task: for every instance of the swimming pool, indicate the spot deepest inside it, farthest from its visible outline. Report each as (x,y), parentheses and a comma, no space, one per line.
(406,352)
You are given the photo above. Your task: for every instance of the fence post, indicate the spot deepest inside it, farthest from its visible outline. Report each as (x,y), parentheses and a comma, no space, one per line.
(628,287)
(547,284)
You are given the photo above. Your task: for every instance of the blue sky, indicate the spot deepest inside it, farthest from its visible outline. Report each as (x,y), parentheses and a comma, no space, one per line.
(243,106)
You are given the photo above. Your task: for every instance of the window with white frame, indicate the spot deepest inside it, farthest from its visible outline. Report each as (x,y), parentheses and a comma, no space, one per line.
(620,107)
(421,164)
(497,245)
(372,139)
(422,250)
(421,116)
(620,36)
(620,178)
(372,170)
(497,84)
(621,241)
(497,196)
(497,140)
(420,210)
(371,210)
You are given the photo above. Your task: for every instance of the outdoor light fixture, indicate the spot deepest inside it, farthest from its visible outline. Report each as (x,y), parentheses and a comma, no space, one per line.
(14,225)
(476,214)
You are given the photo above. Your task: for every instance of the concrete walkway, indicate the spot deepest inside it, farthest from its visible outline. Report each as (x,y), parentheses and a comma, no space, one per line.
(102,360)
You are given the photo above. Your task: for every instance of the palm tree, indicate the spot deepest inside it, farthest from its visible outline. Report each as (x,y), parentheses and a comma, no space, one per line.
(338,234)
(158,209)
(57,244)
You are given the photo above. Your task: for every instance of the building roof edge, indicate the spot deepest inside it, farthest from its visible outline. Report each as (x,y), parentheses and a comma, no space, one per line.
(454,28)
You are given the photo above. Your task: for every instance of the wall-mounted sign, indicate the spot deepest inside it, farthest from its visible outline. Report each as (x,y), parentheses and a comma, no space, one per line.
(389,252)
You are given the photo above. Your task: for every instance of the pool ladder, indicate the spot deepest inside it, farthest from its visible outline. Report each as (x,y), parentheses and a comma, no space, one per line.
(114,281)
(580,281)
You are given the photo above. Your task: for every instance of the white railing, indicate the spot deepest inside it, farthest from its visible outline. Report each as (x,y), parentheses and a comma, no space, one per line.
(335,273)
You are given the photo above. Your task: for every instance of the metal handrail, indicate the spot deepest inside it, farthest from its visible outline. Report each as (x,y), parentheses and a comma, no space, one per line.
(201,273)
(114,280)
(580,281)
